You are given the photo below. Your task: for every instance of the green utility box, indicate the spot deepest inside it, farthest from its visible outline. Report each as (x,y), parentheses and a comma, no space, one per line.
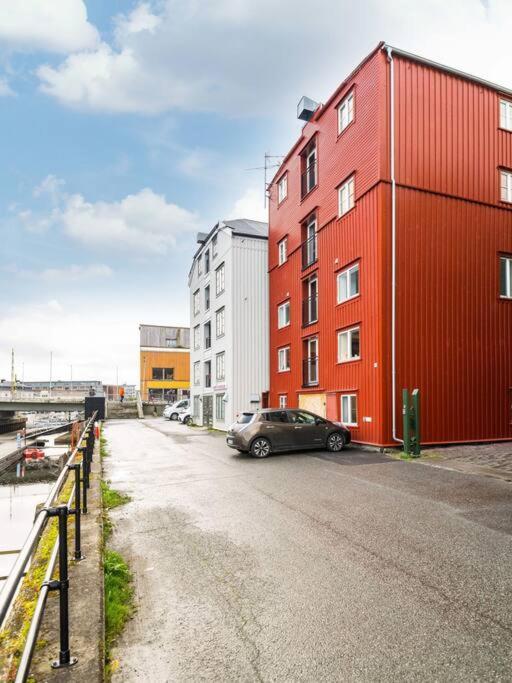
(411,415)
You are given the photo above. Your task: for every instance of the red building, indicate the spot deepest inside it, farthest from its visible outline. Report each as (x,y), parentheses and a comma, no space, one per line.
(390,254)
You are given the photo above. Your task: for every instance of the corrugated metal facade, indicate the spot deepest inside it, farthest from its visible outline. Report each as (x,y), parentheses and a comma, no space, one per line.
(453,330)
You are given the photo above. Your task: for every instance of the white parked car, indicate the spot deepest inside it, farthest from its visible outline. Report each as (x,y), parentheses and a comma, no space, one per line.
(174,410)
(186,416)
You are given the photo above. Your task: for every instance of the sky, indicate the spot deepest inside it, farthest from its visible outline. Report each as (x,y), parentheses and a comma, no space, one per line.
(127,127)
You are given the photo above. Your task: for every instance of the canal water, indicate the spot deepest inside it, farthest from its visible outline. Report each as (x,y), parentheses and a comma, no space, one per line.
(19,496)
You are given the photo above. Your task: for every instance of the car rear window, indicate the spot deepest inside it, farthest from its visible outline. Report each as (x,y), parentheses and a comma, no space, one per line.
(244,418)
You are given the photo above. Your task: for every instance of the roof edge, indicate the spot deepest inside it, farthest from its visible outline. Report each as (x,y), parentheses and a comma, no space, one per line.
(448,69)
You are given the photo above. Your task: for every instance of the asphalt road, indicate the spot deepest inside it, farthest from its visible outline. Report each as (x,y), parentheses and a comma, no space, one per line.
(307,567)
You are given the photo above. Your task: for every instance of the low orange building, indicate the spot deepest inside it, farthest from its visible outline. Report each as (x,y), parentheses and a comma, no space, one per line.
(164,363)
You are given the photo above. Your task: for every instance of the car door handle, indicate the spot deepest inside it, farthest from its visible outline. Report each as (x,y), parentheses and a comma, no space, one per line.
(269,427)
(299,427)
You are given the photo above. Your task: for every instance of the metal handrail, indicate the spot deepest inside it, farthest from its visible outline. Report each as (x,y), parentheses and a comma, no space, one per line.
(37,616)
(308,179)
(16,574)
(309,251)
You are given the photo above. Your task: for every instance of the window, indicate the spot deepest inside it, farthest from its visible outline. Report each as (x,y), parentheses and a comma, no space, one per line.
(345,112)
(199,265)
(163,373)
(207,335)
(214,246)
(219,280)
(276,417)
(301,417)
(349,409)
(220,407)
(310,368)
(208,374)
(219,322)
(310,302)
(207,298)
(309,251)
(348,283)
(197,373)
(283,250)
(283,357)
(346,196)
(506,186)
(197,337)
(506,114)
(348,345)
(220,370)
(197,303)
(283,400)
(282,188)
(506,277)
(308,178)
(207,262)
(171,343)
(283,315)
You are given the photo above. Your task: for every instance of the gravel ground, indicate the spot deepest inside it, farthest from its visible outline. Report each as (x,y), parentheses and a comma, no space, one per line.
(307,567)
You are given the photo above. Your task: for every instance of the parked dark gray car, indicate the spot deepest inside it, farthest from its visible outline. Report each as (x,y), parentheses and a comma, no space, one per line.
(272,430)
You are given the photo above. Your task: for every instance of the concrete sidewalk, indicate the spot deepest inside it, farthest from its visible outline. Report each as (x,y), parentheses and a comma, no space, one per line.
(307,567)
(488,459)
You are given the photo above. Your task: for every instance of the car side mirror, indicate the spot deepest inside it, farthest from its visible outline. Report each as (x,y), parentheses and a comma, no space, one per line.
(319,421)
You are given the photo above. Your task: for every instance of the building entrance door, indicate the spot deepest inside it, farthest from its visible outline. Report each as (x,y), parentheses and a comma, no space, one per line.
(208,411)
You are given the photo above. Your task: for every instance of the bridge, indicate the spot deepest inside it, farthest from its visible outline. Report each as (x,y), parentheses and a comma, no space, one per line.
(41,405)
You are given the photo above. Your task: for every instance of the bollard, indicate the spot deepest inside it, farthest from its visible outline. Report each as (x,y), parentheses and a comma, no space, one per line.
(62,585)
(77,512)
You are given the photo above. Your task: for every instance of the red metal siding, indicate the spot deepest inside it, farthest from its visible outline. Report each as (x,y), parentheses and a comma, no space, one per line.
(357,149)
(447,131)
(453,332)
(356,236)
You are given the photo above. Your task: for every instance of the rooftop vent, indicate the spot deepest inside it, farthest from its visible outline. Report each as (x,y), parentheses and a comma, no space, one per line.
(201,237)
(306,108)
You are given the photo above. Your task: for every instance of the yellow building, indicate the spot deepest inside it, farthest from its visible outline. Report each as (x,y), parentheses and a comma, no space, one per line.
(164,363)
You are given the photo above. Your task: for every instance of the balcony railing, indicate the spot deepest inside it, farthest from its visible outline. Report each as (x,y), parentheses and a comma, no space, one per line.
(207,342)
(310,371)
(310,310)
(308,179)
(309,252)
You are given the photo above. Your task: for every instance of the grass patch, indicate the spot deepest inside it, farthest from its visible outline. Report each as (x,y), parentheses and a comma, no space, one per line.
(112,498)
(104,452)
(119,604)
(118,580)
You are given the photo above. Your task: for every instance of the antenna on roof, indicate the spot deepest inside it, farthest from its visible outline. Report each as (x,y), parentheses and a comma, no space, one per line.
(268,165)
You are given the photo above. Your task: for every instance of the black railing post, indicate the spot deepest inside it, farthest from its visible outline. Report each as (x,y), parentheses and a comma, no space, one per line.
(84,480)
(62,585)
(77,512)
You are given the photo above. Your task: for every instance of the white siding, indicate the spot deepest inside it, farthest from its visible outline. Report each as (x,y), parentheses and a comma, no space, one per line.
(245,342)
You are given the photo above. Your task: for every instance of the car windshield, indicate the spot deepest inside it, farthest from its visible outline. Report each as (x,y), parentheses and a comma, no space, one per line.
(244,418)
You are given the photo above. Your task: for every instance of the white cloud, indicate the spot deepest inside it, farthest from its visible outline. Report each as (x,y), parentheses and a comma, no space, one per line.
(68,274)
(241,57)
(144,222)
(111,341)
(54,25)
(250,205)
(5,88)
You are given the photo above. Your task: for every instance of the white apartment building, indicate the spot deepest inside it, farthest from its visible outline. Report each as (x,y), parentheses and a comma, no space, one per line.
(229,342)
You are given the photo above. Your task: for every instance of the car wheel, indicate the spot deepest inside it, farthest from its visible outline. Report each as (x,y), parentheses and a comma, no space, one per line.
(260,448)
(174,416)
(335,442)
